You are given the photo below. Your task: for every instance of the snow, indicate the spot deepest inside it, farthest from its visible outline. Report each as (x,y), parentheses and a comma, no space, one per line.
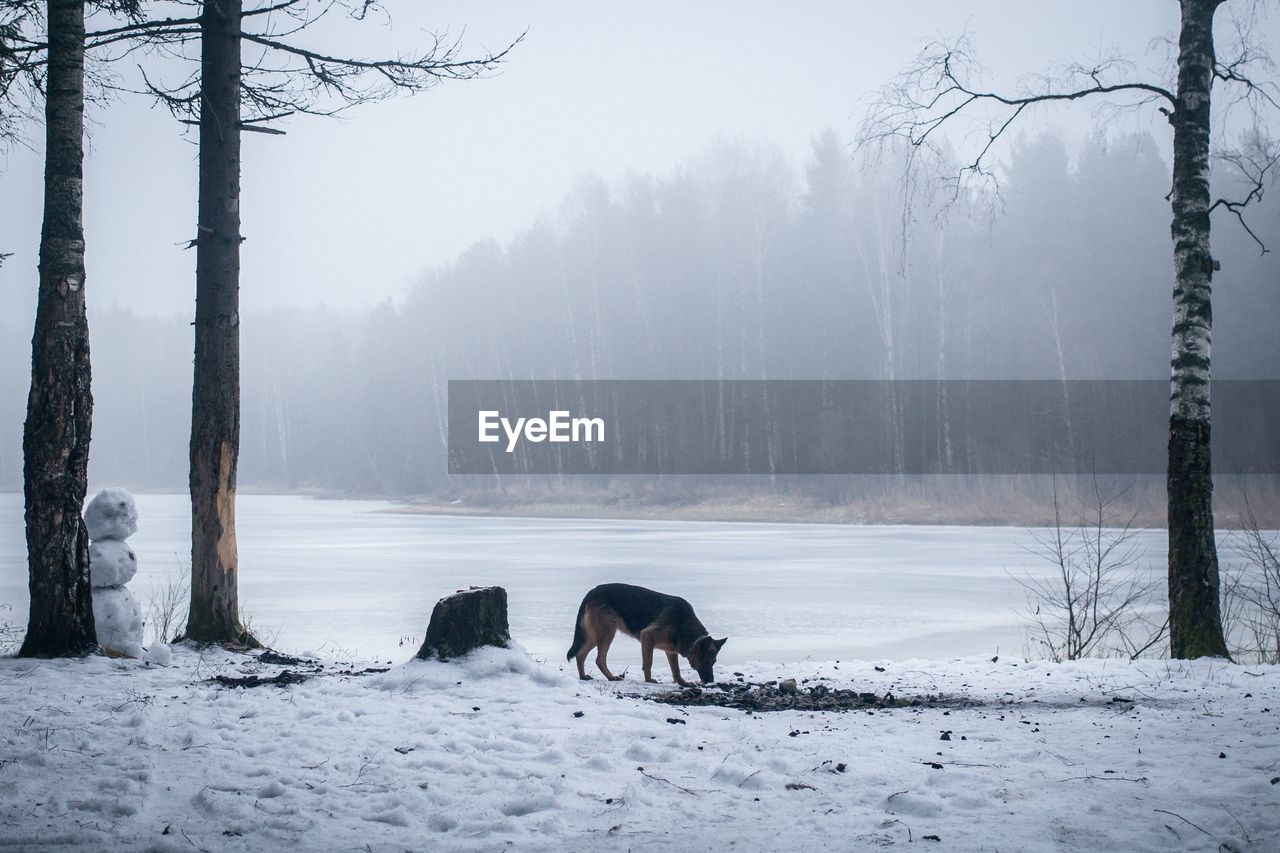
(499,750)
(158,653)
(506,748)
(111,514)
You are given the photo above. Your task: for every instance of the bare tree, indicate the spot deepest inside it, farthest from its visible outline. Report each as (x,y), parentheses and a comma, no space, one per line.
(1095,602)
(224,97)
(938,91)
(10,635)
(228,96)
(1251,594)
(165,604)
(215,400)
(55,438)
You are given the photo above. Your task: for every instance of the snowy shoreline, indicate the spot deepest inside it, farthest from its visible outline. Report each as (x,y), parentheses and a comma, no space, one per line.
(499,752)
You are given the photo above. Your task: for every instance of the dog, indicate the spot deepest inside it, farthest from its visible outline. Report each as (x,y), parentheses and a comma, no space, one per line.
(658,621)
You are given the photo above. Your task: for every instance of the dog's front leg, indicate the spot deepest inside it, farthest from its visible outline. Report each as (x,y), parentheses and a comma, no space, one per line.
(674,660)
(646,656)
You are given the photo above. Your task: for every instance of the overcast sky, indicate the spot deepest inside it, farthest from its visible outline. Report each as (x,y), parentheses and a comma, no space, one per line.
(354,211)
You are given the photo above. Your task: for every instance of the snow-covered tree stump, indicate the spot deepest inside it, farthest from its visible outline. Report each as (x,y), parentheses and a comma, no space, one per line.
(467,620)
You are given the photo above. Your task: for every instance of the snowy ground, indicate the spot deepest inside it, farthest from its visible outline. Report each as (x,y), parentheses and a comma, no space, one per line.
(509,751)
(499,752)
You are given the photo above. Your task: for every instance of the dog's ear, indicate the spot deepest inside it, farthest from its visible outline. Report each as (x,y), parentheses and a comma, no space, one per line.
(720,643)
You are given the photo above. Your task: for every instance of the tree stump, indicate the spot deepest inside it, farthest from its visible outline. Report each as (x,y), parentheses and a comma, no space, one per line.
(467,620)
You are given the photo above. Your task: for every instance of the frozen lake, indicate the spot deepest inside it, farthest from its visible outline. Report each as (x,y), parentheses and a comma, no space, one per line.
(346,578)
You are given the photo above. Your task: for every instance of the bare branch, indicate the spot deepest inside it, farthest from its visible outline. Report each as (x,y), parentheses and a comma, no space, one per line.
(1253,165)
(285,79)
(402,72)
(1251,593)
(21,80)
(1248,74)
(137,30)
(267,10)
(1096,601)
(938,90)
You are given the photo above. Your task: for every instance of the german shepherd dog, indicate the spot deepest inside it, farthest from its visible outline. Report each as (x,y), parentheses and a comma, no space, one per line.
(656,620)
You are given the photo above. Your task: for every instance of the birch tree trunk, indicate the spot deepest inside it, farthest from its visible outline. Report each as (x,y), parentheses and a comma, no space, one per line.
(215,398)
(55,439)
(1195,622)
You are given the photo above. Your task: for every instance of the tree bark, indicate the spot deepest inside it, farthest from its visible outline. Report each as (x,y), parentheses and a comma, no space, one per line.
(1195,621)
(215,400)
(55,439)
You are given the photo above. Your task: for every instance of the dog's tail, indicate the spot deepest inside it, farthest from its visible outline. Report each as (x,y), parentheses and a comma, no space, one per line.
(579,634)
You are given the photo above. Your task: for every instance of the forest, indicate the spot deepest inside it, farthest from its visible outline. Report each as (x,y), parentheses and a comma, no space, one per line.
(738,265)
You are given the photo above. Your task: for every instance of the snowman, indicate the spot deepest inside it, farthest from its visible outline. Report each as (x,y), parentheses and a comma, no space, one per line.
(111,518)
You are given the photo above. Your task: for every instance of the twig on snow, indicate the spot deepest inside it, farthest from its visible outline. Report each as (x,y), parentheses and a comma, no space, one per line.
(1142,780)
(1184,820)
(667,781)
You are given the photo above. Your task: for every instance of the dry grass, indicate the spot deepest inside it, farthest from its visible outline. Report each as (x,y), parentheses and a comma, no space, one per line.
(167,607)
(998,501)
(10,636)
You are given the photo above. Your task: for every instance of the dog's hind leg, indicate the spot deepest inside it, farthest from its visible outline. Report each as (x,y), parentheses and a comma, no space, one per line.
(582,661)
(602,651)
(590,638)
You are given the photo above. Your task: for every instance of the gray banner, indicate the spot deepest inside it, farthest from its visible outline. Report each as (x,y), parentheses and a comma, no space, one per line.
(808,427)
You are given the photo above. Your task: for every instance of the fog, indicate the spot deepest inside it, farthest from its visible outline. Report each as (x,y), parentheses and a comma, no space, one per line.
(350,211)
(653,191)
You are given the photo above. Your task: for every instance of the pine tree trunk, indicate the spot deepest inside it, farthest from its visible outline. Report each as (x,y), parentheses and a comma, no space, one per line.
(55,440)
(215,398)
(1195,622)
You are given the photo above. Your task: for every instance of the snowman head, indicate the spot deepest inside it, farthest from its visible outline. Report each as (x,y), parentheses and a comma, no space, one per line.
(111,515)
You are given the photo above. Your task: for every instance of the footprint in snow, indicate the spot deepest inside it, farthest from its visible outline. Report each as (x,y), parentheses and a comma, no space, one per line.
(271,790)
